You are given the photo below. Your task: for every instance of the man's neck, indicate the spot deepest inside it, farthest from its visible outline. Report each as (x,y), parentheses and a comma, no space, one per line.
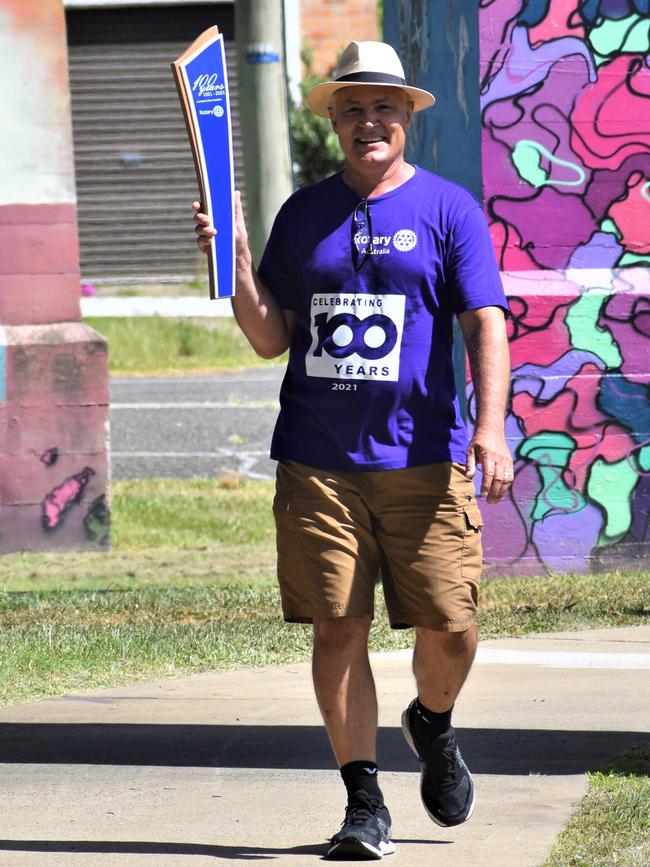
(379,181)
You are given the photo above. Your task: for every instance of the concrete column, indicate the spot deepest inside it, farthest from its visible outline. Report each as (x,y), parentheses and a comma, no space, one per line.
(53,367)
(542,112)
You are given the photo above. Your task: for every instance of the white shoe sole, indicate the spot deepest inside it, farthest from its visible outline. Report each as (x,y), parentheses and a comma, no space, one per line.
(353,848)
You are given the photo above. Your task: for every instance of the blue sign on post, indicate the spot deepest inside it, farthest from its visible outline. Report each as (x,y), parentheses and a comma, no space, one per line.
(202,82)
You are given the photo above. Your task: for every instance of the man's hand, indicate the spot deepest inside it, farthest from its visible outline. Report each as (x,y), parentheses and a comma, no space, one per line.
(491,452)
(205,231)
(203,227)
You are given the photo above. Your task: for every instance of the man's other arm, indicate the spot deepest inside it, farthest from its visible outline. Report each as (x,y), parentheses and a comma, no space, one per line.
(484,330)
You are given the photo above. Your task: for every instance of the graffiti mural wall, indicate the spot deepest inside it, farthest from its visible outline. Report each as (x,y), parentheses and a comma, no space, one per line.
(565,146)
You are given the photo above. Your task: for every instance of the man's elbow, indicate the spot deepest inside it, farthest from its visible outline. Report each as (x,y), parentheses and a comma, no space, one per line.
(269,351)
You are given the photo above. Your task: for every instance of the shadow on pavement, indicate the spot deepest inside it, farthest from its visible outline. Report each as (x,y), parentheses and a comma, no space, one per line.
(487,751)
(235,853)
(117,847)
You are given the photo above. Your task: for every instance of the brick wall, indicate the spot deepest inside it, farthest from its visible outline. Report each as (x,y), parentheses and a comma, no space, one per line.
(328,25)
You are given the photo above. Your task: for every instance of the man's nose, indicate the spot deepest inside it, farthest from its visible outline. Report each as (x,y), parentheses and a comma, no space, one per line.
(369,117)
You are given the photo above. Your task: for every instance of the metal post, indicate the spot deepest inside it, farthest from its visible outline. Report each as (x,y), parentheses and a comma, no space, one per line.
(263,113)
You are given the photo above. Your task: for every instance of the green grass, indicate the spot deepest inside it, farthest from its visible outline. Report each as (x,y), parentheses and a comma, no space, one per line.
(612,823)
(189,586)
(160,346)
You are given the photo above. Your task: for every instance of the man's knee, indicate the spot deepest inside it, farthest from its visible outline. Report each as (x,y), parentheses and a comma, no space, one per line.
(447,643)
(340,634)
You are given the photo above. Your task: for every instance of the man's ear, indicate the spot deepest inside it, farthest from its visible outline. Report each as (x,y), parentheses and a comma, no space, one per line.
(331,114)
(409,115)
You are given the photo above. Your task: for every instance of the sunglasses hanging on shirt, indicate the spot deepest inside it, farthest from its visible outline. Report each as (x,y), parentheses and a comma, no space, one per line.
(361,234)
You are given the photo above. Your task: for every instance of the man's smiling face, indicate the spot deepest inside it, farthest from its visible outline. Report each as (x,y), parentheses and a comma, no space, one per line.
(371,123)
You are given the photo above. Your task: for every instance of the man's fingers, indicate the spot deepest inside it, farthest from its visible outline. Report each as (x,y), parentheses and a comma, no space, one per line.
(205,231)
(488,476)
(470,469)
(501,482)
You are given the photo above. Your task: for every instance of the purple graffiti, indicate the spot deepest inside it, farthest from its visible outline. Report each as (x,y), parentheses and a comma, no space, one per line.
(50,457)
(523,67)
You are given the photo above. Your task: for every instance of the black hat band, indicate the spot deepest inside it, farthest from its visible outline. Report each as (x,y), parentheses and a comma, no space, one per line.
(373,78)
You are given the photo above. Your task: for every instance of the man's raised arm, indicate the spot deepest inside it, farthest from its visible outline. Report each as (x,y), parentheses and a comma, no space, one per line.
(267,327)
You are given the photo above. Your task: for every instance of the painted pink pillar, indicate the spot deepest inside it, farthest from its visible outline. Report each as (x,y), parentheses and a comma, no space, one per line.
(54,469)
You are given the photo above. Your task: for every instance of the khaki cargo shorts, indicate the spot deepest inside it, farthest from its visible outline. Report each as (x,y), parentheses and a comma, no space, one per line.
(420,528)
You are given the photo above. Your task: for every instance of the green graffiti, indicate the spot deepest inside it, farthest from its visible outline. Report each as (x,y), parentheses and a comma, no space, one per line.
(634,259)
(608,225)
(552,451)
(582,322)
(611,486)
(645,191)
(527,157)
(644,459)
(628,36)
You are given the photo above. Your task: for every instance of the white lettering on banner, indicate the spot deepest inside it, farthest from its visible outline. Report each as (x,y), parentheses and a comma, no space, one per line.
(217,111)
(356,336)
(205,83)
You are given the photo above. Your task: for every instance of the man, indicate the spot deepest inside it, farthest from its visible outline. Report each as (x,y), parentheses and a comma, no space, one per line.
(361,278)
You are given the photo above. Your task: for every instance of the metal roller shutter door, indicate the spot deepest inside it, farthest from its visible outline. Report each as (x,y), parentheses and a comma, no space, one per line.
(134,170)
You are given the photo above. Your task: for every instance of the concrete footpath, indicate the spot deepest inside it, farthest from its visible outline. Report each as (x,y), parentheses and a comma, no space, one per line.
(234,766)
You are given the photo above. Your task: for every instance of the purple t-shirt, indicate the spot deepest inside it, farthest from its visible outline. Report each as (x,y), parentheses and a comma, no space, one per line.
(375,284)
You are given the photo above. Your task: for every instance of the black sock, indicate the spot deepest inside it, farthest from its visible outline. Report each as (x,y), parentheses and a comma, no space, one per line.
(428,724)
(361,782)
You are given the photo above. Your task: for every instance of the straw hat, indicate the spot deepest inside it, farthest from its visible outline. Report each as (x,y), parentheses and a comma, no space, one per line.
(373,63)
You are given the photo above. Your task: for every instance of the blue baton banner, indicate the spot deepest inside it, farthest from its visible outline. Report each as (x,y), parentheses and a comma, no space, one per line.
(202,82)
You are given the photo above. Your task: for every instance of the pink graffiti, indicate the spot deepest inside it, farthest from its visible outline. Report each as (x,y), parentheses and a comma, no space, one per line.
(538,333)
(61,498)
(558,21)
(632,215)
(611,118)
(509,248)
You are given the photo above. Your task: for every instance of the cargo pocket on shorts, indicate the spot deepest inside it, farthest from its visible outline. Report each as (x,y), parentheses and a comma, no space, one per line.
(473,517)
(472,551)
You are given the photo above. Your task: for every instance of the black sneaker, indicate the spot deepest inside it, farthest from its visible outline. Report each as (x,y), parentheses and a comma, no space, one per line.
(446,786)
(364,834)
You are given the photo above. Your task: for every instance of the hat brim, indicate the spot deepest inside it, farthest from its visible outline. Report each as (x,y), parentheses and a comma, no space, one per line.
(319,98)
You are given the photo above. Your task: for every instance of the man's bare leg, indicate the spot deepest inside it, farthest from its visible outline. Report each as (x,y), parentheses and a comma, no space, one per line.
(346,695)
(441,662)
(345,688)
